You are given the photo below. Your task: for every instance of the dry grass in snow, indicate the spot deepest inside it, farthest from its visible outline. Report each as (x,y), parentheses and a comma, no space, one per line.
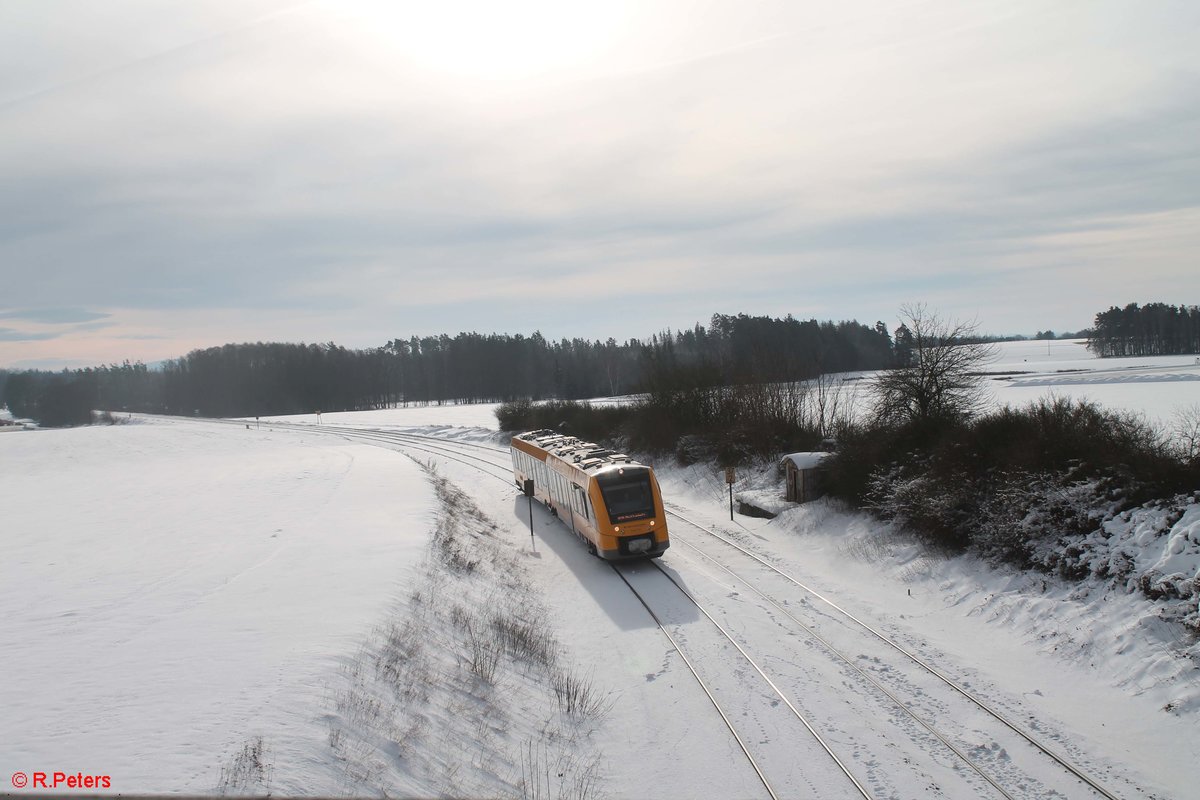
(466,691)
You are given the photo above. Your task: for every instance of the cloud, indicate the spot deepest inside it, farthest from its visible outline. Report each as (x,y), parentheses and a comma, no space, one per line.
(54,316)
(11,335)
(236,172)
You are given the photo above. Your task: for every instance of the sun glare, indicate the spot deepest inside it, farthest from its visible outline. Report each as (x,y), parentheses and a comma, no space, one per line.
(512,40)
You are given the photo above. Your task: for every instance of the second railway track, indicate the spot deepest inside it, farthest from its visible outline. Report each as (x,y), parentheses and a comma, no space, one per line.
(935,700)
(818,619)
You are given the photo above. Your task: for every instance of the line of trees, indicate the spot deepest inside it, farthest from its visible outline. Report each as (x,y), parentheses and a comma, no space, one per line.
(1155,329)
(277,378)
(925,451)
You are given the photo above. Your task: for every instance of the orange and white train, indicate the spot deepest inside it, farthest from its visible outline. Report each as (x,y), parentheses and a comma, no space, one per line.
(607,499)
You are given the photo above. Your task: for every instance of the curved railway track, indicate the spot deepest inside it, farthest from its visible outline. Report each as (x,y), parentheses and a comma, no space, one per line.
(906,708)
(957,687)
(467,453)
(976,702)
(821,741)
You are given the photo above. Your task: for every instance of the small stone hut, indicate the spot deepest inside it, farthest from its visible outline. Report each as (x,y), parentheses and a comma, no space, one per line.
(803,476)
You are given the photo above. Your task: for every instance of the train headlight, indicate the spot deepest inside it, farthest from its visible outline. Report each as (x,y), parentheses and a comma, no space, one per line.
(616,528)
(651,523)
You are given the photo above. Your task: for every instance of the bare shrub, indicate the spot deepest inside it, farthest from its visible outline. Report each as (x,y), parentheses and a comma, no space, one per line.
(561,776)
(577,695)
(359,707)
(1020,511)
(483,650)
(526,641)
(939,512)
(1010,479)
(452,552)
(567,416)
(249,772)
(401,661)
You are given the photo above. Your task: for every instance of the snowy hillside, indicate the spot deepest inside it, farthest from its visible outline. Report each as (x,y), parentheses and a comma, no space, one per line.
(295,610)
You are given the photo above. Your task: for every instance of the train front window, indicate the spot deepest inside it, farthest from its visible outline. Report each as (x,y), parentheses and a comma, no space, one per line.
(627,495)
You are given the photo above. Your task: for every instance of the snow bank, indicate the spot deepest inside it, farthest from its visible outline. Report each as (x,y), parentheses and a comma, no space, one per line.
(1153,550)
(173,593)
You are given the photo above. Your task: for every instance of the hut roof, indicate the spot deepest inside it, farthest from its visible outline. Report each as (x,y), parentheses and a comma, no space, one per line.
(807,460)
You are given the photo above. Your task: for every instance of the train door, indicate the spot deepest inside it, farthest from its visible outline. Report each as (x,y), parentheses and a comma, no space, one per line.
(580,508)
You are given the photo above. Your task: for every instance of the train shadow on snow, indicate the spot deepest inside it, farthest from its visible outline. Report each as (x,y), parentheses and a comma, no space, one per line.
(597,576)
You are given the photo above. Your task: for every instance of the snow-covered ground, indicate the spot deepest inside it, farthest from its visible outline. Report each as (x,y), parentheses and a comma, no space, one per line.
(171,591)
(192,606)
(1155,386)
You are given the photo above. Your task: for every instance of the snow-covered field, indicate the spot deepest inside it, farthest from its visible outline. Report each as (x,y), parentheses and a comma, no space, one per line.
(192,606)
(170,591)
(1155,386)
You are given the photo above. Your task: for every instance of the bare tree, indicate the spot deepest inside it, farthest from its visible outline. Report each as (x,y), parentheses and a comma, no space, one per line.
(942,380)
(1185,432)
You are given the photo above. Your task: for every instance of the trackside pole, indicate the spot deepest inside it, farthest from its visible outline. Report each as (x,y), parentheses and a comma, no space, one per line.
(527,487)
(730,477)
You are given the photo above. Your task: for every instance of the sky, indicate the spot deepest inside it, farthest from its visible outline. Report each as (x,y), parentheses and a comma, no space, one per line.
(183,176)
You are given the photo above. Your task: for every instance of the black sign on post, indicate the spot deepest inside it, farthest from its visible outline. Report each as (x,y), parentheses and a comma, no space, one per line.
(527,488)
(730,477)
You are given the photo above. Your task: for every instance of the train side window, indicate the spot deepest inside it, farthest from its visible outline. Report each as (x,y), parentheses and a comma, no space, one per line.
(581,504)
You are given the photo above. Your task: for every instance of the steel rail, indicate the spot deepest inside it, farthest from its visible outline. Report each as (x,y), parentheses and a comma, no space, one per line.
(398,438)
(687,662)
(391,438)
(799,715)
(863,673)
(1043,748)
(381,434)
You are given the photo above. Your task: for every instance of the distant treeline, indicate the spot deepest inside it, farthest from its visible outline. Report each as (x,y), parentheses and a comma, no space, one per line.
(273,378)
(1155,329)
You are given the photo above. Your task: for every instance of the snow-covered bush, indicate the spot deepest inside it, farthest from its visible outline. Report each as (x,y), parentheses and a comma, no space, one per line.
(935,510)
(1023,514)
(1006,517)
(1153,550)
(1011,482)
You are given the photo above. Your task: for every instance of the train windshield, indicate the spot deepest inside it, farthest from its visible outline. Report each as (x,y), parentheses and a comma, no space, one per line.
(627,494)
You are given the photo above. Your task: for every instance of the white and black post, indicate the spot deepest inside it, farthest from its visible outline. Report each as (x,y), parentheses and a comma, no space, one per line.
(527,488)
(730,477)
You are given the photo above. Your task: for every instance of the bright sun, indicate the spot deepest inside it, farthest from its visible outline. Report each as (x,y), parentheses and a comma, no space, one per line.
(510,40)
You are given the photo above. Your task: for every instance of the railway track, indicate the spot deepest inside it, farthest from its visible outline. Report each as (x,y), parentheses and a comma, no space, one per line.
(976,703)
(447,449)
(752,574)
(792,750)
